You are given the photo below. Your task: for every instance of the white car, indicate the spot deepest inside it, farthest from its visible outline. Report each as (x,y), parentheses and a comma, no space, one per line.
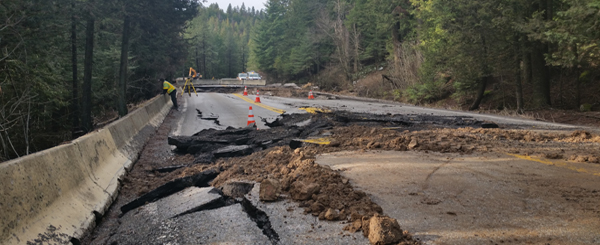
(242,76)
(254,76)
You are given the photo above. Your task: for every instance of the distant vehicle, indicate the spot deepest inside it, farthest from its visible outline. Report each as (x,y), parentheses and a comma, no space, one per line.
(242,76)
(254,76)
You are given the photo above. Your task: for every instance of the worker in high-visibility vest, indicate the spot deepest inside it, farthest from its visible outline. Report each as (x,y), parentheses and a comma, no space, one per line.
(171,90)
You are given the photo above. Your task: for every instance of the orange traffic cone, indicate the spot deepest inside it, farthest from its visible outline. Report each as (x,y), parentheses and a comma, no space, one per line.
(310,95)
(251,117)
(257,100)
(245,91)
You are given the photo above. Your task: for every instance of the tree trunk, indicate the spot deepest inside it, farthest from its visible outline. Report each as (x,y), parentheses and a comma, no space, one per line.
(197,59)
(540,71)
(122,88)
(527,76)
(396,39)
(482,85)
(343,40)
(519,86)
(229,63)
(75,86)
(578,92)
(204,53)
(86,115)
(356,37)
(540,76)
(518,76)
(243,58)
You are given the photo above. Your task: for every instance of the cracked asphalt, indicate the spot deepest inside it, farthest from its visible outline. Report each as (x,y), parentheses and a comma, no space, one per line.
(441,198)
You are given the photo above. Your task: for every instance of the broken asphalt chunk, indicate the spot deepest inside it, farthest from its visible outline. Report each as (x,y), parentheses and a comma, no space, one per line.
(296,143)
(198,180)
(169,168)
(227,225)
(189,200)
(237,189)
(234,151)
(489,125)
(205,158)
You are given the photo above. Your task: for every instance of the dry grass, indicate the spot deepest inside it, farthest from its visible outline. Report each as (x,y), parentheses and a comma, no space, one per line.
(390,83)
(332,79)
(405,69)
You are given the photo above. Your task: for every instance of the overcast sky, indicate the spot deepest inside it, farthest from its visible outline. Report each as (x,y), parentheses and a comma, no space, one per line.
(258,4)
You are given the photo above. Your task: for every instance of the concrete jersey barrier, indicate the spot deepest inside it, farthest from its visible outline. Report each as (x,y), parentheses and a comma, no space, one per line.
(57,193)
(230,81)
(255,82)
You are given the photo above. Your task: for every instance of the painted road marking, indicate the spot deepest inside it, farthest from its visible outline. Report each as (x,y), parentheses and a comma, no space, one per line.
(319,141)
(273,109)
(313,110)
(557,163)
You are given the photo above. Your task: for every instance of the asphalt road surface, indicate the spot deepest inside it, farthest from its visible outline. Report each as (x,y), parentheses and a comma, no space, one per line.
(442,198)
(233,109)
(478,198)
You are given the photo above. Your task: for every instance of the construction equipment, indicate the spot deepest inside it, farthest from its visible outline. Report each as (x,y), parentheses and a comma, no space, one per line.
(188,83)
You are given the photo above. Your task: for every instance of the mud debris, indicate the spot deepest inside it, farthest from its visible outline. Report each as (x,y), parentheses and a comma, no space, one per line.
(385,230)
(270,190)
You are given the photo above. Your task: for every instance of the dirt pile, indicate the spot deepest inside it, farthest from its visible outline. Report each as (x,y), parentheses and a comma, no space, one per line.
(579,146)
(322,192)
(316,188)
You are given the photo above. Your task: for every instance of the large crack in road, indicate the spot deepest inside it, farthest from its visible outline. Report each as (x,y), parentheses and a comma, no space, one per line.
(286,151)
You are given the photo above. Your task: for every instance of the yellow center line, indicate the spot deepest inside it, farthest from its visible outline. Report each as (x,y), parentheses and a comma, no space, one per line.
(313,110)
(557,163)
(319,141)
(261,105)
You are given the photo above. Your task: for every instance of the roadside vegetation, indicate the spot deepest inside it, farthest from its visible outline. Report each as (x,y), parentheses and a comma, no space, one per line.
(219,40)
(509,55)
(68,65)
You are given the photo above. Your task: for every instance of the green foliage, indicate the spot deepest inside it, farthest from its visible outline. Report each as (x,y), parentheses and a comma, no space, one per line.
(220,41)
(575,31)
(426,92)
(36,66)
(299,38)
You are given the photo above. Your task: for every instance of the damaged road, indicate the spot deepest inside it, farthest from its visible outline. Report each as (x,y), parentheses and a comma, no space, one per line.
(266,186)
(292,129)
